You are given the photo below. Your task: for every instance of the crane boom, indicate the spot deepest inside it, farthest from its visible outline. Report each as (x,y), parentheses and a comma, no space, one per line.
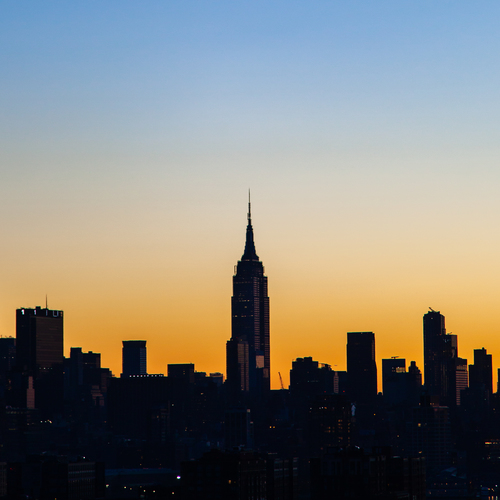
(281,380)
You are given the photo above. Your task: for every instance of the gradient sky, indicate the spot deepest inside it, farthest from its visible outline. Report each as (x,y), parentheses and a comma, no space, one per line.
(368,132)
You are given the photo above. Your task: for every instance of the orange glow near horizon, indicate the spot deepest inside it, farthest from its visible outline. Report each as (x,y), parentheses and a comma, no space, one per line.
(182,307)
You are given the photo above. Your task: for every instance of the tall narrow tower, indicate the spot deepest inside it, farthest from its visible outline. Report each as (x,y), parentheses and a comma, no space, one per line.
(248,368)
(361,367)
(442,365)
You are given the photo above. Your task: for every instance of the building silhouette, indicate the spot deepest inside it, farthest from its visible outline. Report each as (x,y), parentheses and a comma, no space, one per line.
(435,369)
(394,380)
(308,378)
(361,367)
(481,372)
(134,361)
(181,371)
(249,324)
(39,340)
(39,358)
(401,387)
(445,373)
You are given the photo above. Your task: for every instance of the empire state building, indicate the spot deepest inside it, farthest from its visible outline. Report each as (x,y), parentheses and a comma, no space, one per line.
(248,354)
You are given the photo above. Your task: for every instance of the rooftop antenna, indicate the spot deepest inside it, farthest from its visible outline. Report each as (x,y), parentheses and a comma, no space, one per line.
(249,207)
(46,302)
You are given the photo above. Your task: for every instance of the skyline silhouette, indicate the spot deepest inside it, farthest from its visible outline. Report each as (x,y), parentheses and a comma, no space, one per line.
(252,329)
(367,133)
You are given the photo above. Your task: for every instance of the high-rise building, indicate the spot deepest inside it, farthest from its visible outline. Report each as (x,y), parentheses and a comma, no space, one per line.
(401,387)
(250,323)
(394,380)
(434,331)
(444,372)
(39,340)
(134,360)
(481,372)
(39,359)
(308,379)
(361,367)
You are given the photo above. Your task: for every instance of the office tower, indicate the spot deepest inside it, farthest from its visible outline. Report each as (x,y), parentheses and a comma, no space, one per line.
(415,375)
(414,384)
(250,323)
(39,340)
(308,379)
(440,360)
(481,372)
(134,358)
(434,330)
(361,367)
(477,397)
(394,380)
(401,387)
(39,357)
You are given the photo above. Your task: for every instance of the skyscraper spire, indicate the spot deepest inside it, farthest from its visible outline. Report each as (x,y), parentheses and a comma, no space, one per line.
(250,253)
(248,351)
(249,216)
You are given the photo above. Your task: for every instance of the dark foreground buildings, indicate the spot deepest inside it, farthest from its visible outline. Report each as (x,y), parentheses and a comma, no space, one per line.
(70,429)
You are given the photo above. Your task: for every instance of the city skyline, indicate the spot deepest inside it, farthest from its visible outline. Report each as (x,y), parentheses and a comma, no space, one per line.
(251,256)
(129,135)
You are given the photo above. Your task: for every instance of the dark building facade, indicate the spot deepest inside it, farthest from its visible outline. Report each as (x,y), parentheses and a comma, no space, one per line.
(445,373)
(39,340)
(329,423)
(351,473)
(361,367)
(39,358)
(226,476)
(134,361)
(394,380)
(249,324)
(308,378)
(481,372)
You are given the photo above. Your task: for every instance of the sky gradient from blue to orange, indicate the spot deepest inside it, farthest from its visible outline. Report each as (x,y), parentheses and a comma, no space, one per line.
(367,131)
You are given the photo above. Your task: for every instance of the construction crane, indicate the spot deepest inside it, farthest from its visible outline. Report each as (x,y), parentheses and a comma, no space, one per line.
(281,381)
